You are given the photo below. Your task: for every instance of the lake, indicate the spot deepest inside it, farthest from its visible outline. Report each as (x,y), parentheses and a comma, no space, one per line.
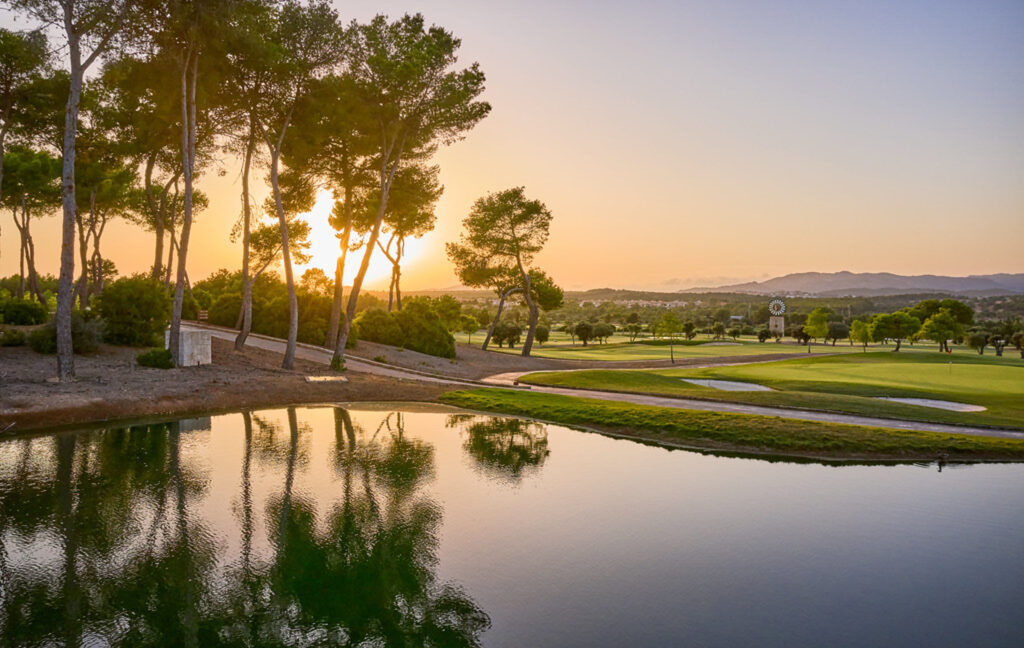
(405,525)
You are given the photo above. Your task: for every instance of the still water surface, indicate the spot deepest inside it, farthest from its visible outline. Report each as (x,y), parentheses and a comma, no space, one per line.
(373,526)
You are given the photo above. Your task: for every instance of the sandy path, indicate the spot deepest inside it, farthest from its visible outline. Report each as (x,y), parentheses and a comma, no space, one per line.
(320,354)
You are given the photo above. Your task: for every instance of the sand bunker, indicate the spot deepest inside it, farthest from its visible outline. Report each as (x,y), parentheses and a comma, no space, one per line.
(727,385)
(938,404)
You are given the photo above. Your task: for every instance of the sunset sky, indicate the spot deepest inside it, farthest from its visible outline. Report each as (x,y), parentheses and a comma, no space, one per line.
(686,143)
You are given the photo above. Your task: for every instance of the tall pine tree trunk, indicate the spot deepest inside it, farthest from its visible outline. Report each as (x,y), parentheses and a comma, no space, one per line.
(394,265)
(398,273)
(532,330)
(391,289)
(65,287)
(22,235)
(28,250)
(339,293)
(190,68)
(21,265)
(532,305)
(158,221)
(83,251)
(497,316)
(97,257)
(338,360)
(386,178)
(171,246)
(245,326)
(293,301)
(339,269)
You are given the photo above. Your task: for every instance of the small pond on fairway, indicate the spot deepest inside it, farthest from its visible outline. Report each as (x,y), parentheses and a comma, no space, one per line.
(397,524)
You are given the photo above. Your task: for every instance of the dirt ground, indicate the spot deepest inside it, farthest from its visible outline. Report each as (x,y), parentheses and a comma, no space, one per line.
(110,386)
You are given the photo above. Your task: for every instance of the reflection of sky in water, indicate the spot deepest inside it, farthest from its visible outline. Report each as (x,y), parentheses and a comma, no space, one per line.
(562,538)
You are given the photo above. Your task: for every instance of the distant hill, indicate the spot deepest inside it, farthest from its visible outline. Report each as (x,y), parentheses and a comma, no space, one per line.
(866,284)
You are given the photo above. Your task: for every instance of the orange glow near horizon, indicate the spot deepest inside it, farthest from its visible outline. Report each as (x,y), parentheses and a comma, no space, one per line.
(700,144)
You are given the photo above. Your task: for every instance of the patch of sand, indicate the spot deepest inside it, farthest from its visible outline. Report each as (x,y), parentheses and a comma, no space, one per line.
(952,406)
(728,385)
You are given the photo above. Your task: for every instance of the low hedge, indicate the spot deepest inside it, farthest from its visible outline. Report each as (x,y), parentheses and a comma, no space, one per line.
(136,311)
(23,312)
(416,327)
(156,358)
(86,336)
(12,338)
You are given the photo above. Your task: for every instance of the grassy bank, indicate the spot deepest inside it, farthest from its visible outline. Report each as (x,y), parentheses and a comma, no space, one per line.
(849,384)
(739,432)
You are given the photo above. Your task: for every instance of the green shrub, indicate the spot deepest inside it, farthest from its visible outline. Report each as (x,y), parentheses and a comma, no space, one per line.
(43,340)
(224,311)
(424,331)
(542,333)
(314,313)
(506,331)
(272,317)
(136,310)
(24,312)
(603,331)
(312,330)
(85,335)
(378,325)
(189,307)
(203,298)
(156,358)
(416,327)
(11,338)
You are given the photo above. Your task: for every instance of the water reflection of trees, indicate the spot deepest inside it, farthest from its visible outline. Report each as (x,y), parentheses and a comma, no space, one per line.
(505,448)
(103,541)
(95,512)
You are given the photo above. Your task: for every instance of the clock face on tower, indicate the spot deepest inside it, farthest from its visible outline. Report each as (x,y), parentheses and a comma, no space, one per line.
(776,307)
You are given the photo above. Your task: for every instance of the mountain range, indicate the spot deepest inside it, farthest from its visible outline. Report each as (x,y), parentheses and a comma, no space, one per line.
(866,284)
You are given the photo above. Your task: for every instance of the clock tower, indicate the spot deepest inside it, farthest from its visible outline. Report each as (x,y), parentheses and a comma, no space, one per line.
(777,320)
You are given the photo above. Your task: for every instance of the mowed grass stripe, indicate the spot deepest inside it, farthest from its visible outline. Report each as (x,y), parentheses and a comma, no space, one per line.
(740,432)
(847,384)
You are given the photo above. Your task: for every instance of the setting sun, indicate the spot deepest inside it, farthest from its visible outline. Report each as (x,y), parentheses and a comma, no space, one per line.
(323,249)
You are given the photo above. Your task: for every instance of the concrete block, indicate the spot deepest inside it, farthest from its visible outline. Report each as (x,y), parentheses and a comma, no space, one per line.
(193,345)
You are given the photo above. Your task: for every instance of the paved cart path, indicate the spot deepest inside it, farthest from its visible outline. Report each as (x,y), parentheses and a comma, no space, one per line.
(320,354)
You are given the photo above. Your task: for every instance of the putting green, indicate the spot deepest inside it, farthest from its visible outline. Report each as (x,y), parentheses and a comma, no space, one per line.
(910,373)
